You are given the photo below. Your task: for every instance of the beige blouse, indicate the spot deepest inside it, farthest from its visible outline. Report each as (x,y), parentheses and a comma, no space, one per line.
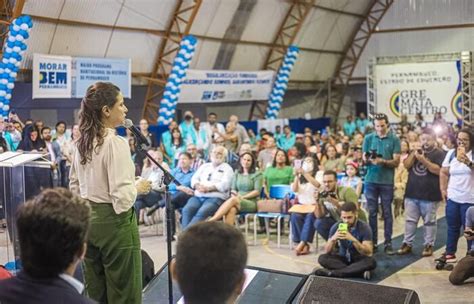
(109,177)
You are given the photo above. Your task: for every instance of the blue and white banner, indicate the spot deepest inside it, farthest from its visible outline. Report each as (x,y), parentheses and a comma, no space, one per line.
(90,70)
(222,86)
(51,76)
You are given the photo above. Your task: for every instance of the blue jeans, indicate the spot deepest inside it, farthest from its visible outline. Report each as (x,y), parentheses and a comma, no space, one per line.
(385,192)
(198,209)
(323,226)
(146,200)
(302,226)
(455,218)
(414,209)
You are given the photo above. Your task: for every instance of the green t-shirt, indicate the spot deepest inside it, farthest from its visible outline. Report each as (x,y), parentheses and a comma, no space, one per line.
(244,184)
(386,146)
(278,176)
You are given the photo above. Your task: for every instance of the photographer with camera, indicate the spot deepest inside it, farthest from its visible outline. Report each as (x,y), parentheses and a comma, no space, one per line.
(354,256)
(382,155)
(329,201)
(422,195)
(465,267)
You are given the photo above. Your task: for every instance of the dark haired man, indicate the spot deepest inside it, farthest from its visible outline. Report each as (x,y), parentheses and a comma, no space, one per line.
(52,231)
(287,139)
(55,156)
(382,155)
(422,195)
(354,257)
(213,128)
(328,208)
(210,262)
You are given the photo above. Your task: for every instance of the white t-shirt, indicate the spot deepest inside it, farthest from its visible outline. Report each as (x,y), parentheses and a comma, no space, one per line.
(461,179)
(306,194)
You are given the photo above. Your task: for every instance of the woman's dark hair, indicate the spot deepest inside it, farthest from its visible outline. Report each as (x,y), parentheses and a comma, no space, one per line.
(313,156)
(469,132)
(98,95)
(252,166)
(300,148)
(61,122)
(180,141)
(326,147)
(26,144)
(310,138)
(405,141)
(287,160)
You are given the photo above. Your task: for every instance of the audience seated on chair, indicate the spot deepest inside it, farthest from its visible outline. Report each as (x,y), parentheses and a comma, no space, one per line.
(211,184)
(246,186)
(52,230)
(154,175)
(302,216)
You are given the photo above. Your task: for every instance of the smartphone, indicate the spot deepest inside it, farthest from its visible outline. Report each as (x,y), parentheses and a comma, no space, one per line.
(342,227)
(461,150)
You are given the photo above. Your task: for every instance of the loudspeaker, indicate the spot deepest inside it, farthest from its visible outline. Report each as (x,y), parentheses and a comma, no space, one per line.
(148,268)
(335,291)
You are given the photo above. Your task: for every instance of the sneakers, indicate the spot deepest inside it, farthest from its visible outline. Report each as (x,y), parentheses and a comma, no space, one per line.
(405,249)
(388,249)
(322,272)
(447,258)
(367,275)
(427,251)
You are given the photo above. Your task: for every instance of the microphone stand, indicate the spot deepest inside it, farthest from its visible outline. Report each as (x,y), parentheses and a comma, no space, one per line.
(167,180)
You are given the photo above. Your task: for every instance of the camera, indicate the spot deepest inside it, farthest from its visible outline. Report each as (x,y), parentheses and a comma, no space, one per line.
(325,194)
(372,154)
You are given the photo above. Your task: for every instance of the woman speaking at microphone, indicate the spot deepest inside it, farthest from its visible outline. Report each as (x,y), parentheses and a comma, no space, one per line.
(102,171)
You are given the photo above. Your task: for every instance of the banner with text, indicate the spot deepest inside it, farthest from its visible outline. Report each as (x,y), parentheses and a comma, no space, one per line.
(51,76)
(90,70)
(426,88)
(223,86)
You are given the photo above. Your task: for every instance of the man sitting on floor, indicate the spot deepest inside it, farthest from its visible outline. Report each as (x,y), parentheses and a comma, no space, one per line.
(354,239)
(52,230)
(207,275)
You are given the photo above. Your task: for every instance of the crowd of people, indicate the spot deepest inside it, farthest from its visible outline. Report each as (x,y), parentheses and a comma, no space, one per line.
(343,179)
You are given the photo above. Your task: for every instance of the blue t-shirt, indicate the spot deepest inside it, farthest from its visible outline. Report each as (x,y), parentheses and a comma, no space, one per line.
(361,231)
(386,147)
(182,177)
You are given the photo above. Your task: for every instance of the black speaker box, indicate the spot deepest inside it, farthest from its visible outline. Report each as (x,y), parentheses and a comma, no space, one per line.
(319,290)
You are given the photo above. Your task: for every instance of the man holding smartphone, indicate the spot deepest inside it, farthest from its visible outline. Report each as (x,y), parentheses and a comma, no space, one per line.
(354,256)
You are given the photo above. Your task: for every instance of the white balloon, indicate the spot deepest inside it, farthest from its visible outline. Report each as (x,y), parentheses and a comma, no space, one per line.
(19,37)
(1,104)
(10,85)
(16,28)
(13,74)
(24,26)
(17,49)
(21,53)
(2,70)
(6,108)
(11,39)
(5,60)
(18,64)
(8,96)
(3,81)
(13,60)
(8,50)
(3,93)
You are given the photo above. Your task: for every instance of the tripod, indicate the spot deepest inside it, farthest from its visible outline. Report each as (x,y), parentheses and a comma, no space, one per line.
(167,180)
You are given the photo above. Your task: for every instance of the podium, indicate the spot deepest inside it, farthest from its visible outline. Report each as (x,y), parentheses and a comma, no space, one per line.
(14,169)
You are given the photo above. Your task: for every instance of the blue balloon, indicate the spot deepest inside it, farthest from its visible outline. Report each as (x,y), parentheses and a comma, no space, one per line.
(17,21)
(27,18)
(10,44)
(9,91)
(11,79)
(7,55)
(4,76)
(23,46)
(3,87)
(24,34)
(30,24)
(10,66)
(14,33)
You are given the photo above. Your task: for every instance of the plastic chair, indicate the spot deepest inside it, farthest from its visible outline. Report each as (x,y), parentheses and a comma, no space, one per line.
(276,192)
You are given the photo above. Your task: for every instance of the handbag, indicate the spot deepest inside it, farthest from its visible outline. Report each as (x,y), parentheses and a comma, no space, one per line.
(270,205)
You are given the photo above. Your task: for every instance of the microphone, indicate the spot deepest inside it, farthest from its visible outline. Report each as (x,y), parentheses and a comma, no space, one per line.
(141,139)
